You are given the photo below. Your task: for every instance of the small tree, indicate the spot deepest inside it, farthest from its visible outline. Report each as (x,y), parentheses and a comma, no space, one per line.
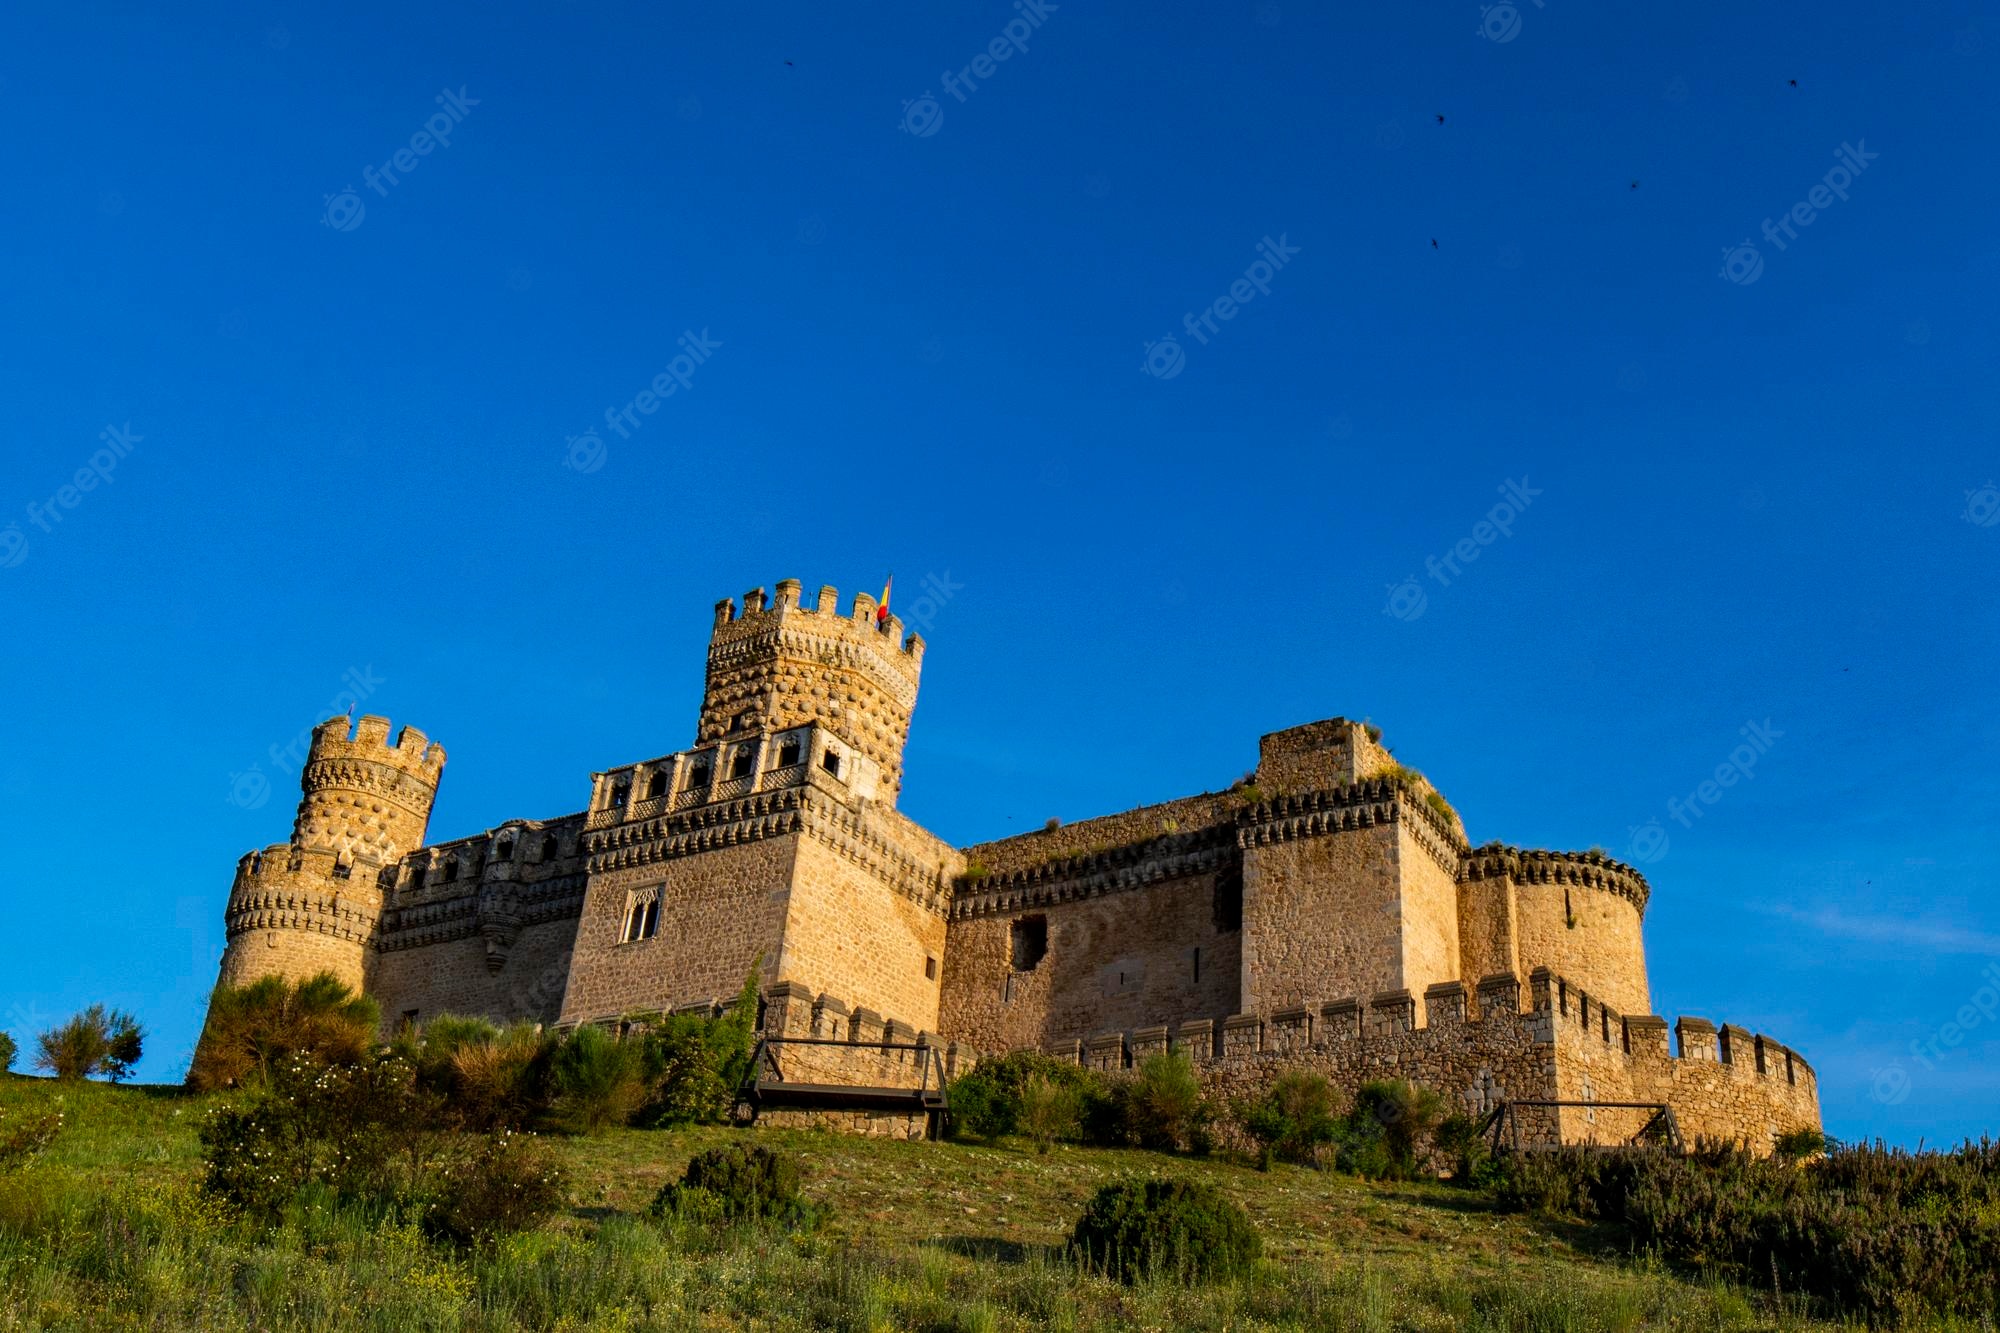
(1294,1119)
(1164,1107)
(7,1052)
(97,1041)
(596,1081)
(1171,1230)
(1047,1111)
(1390,1122)
(251,1028)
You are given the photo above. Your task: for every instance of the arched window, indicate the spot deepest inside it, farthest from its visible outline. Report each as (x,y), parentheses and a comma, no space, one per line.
(788,753)
(550,846)
(830,761)
(505,850)
(450,869)
(657,784)
(620,790)
(739,767)
(698,775)
(417,877)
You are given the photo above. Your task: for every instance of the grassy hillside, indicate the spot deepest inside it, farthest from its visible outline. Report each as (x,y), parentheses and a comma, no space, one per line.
(107,1230)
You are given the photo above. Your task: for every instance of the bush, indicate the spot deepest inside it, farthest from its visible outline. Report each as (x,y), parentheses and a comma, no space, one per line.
(8,1050)
(250,1028)
(595,1081)
(1171,1229)
(739,1183)
(491,1186)
(1879,1233)
(1294,1120)
(361,1132)
(97,1041)
(1164,1106)
(21,1142)
(1800,1144)
(486,1078)
(1048,1111)
(986,1103)
(1386,1129)
(1463,1148)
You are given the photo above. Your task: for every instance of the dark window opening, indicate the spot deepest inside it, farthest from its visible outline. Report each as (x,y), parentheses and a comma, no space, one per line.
(416,877)
(643,921)
(1030,942)
(831,762)
(1228,901)
(930,969)
(740,766)
(550,846)
(657,784)
(1569,913)
(505,851)
(450,869)
(619,791)
(698,776)
(1197,965)
(341,870)
(409,1018)
(788,754)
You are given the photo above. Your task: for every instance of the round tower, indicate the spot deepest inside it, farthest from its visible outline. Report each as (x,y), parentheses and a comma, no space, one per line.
(312,905)
(778,664)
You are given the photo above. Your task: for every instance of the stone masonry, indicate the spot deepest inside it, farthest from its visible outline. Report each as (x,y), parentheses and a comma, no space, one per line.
(1329,911)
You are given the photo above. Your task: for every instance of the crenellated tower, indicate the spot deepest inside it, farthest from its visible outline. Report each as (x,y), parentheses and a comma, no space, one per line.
(778,664)
(313,904)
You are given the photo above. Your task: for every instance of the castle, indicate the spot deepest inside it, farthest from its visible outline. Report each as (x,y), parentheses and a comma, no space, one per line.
(1329,911)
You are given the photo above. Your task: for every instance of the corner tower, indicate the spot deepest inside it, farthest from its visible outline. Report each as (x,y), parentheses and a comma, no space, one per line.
(778,664)
(313,904)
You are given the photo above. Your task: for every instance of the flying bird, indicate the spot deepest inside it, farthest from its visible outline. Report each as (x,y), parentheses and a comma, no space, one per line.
(1434,242)
(1793,82)
(1440,120)
(1635,185)
(788,64)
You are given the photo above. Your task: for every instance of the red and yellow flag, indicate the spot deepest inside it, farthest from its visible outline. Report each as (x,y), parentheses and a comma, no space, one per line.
(882,607)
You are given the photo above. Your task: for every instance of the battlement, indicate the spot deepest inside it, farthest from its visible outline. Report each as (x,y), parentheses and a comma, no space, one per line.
(1590,870)
(1500,1040)
(368,739)
(761,613)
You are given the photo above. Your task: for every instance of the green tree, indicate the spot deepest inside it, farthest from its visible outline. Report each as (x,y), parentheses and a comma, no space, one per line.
(96,1041)
(251,1028)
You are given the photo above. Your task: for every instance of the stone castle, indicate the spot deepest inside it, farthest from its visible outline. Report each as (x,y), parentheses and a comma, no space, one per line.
(1327,911)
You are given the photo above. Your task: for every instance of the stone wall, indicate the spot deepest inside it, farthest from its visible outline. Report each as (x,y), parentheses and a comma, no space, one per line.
(1322,910)
(291,915)
(1579,914)
(861,922)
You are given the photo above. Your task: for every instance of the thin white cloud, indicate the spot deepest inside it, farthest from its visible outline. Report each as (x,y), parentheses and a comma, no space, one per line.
(1932,936)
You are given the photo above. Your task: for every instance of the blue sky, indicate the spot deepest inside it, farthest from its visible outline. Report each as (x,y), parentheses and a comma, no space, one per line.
(953,333)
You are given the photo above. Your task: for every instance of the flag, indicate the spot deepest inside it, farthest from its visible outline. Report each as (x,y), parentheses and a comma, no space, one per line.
(882,608)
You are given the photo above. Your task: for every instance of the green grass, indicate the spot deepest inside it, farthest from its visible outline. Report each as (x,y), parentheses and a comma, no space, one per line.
(107,1231)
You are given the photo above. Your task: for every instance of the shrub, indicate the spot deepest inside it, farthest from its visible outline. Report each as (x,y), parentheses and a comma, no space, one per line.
(487,1078)
(7,1052)
(490,1186)
(250,1028)
(1048,1111)
(1800,1144)
(986,1103)
(740,1183)
(1386,1129)
(361,1132)
(20,1143)
(595,1081)
(1463,1148)
(1164,1106)
(96,1041)
(1172,1229)
(1294,1120)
